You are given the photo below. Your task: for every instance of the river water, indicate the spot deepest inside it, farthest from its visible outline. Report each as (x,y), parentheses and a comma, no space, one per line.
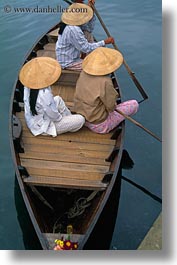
(136,27)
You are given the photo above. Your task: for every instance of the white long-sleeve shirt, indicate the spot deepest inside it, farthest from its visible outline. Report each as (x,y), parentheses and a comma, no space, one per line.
(71,43)
(47,110)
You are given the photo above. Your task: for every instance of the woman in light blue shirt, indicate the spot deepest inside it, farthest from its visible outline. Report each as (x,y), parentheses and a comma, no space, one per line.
(72,41)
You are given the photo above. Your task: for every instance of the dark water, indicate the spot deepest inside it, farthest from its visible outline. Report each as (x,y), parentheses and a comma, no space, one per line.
(136,27)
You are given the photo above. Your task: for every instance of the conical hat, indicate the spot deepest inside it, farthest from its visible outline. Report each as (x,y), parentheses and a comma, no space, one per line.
(40,72)
(77,14)
(102,61)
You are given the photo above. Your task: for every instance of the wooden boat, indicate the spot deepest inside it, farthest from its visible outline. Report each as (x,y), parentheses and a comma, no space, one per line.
(71,182)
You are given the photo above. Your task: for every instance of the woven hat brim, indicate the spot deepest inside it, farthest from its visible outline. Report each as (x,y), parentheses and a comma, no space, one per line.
(102,61)
(77,14)
(40,72)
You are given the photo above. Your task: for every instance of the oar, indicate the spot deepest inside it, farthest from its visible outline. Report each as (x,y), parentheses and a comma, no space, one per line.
(132,74)
(138,124)
(116,87)
(68,2)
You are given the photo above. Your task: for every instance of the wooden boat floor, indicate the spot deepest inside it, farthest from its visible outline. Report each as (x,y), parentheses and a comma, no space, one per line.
(70,160)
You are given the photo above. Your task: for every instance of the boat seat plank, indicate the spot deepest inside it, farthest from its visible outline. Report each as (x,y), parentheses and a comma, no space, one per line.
(65,155)
(53,33)
(44,53)
(67,71)
(67,93)
(65,183)
(50,238)
(49,47)
(49,52)
(66,175)
(68,77)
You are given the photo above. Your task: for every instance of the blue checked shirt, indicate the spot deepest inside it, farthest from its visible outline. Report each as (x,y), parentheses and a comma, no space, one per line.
(71,43)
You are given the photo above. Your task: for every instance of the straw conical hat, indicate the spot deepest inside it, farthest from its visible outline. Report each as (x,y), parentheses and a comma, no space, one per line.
(102,61)
(77,14)
(40,72)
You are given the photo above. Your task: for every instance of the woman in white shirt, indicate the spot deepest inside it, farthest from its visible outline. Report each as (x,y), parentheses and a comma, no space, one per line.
(45,114)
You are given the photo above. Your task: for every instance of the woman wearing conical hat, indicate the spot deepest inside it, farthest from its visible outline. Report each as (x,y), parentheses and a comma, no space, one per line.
(95,96)
(71,40)
(45,114)
(88,27)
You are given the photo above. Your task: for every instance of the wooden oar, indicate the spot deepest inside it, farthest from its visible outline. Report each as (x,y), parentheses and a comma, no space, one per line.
(139,125)
(67,1)
(116,87)
(132,74)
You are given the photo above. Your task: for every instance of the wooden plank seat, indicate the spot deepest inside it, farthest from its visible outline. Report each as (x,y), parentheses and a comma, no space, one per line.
(70,160)
(66,183)
(53,35)
(49,49)
(68,77)
(49,46)
(46,53)
(63,174)
(62,91)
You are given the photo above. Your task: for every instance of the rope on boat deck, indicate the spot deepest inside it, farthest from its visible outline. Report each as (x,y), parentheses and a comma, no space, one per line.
(79,207)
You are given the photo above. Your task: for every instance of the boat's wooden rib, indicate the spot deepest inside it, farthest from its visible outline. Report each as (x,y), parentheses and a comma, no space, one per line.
(66,167)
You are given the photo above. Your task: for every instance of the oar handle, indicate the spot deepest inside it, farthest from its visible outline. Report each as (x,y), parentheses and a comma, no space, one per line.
(68,2)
